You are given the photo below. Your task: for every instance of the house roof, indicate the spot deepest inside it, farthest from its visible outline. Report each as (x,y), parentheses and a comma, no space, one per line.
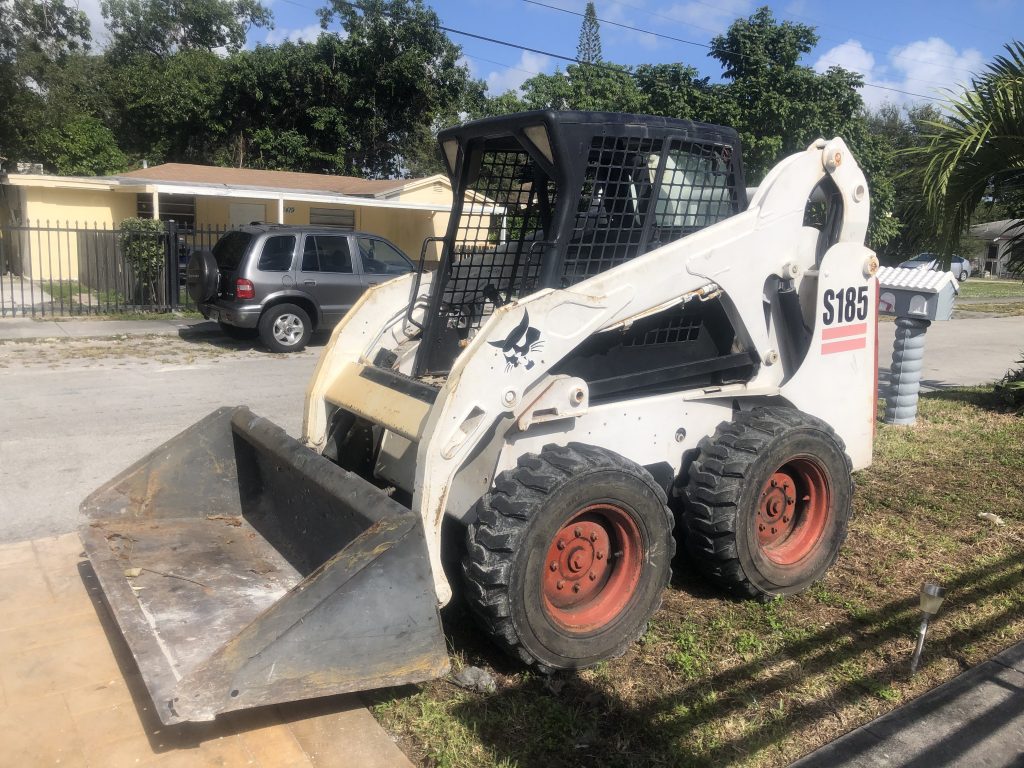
(246,177)
(994,230)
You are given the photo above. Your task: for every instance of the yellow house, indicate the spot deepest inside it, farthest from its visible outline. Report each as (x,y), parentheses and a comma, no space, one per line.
(51,221)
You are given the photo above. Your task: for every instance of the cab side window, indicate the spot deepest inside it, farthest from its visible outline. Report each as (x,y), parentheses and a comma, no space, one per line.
(277,253)
(326,253)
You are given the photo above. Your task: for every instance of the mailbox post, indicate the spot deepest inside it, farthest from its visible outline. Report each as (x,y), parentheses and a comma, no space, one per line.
(915,297)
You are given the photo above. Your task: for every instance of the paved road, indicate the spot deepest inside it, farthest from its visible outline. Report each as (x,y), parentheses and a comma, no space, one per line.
(962,351)
(68,427)
(74,412)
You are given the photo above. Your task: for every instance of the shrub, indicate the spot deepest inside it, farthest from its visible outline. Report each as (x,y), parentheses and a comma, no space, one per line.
(142,242)
(1010,389)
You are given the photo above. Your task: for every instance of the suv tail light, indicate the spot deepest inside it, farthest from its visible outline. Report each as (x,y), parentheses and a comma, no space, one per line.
(244,289)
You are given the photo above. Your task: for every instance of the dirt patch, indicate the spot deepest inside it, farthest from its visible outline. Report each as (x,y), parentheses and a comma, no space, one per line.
(151,350)
(719,682)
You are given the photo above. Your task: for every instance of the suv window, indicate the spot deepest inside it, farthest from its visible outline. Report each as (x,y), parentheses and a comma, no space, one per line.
(277,254)
(230,249)
(326,253)
(381,258)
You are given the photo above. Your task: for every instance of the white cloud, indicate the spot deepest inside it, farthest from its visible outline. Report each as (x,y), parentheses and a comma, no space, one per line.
(512,78)
(925,67)
(306,34)
(850,55)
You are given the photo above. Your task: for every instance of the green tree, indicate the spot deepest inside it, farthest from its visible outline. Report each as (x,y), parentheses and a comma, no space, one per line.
(169,109)
(161,27)
(80,146)
(677,90)
(401,73)
(588,49)
(976,152)
(35,37)
(283,107)
(896,129)
(779,106)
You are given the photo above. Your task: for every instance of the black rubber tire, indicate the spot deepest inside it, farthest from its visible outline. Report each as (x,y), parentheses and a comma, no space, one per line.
(238,333)
(272,315)
(201,276)
(719,515)
(963,276)
(508,543)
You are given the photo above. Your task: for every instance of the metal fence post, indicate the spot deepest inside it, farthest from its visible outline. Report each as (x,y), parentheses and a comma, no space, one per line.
(172,265)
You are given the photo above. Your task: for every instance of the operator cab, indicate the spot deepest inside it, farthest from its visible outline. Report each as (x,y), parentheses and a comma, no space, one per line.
(548,199)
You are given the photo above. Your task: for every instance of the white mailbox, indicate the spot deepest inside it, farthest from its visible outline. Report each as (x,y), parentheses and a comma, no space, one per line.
(919,293)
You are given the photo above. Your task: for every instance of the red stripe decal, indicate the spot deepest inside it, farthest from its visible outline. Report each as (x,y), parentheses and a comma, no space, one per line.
(845,345)
(843,331)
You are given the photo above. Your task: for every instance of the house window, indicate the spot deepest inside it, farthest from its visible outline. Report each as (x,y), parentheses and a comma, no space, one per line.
(343,218)
(178,208)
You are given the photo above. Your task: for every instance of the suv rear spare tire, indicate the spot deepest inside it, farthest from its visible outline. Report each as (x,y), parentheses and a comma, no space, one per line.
(201,276)
(768,502)
(568,556)
(285,328)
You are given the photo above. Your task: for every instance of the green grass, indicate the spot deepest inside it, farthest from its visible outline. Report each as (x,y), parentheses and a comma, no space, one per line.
(1001,308)
(981,288)
(719,682)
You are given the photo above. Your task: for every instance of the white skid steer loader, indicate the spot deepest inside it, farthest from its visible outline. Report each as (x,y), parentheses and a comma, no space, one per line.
(617,352)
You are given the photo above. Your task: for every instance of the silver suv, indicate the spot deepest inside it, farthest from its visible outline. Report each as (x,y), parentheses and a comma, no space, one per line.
(283,282)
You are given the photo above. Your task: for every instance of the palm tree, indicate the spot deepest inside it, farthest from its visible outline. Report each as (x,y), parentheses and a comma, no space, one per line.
(975,152)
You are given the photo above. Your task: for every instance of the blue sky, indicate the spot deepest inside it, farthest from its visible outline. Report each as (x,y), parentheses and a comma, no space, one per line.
(908,45)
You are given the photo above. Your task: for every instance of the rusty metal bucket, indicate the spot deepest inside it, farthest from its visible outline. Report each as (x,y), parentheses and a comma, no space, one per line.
(245,569)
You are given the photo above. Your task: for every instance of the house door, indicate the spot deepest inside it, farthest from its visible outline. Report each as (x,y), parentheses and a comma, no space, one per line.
(246,213)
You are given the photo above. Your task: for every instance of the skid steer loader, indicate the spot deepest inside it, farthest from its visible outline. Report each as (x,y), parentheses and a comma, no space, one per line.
(616,344)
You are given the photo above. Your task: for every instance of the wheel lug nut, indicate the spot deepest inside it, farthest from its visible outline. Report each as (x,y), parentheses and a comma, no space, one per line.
(760,527)
(773,530)
(575,587)
(593,577)
(560,584)
(561,544)
(599,555)
(554,566)
(593,536)
(577,533)
(775,483)
(790,499)
(785,519)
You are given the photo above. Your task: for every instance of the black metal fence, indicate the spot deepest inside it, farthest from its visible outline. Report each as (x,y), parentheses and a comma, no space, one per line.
(66,269)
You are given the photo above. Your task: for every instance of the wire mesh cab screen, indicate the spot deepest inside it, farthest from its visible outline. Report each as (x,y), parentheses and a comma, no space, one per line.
(548,199)
(641,193)
(496,252)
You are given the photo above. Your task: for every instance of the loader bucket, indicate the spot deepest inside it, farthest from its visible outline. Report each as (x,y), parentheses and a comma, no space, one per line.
(245,569)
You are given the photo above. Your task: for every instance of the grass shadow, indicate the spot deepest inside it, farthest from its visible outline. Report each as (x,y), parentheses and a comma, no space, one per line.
(529,723)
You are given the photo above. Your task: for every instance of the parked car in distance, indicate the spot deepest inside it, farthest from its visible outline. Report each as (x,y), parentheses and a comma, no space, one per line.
(281,283)
(959,266)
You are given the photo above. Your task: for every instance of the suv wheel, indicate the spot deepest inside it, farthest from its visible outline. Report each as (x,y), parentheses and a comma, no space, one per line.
(285,328)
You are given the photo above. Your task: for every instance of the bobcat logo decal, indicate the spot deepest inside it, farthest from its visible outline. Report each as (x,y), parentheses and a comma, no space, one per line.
(518,345)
